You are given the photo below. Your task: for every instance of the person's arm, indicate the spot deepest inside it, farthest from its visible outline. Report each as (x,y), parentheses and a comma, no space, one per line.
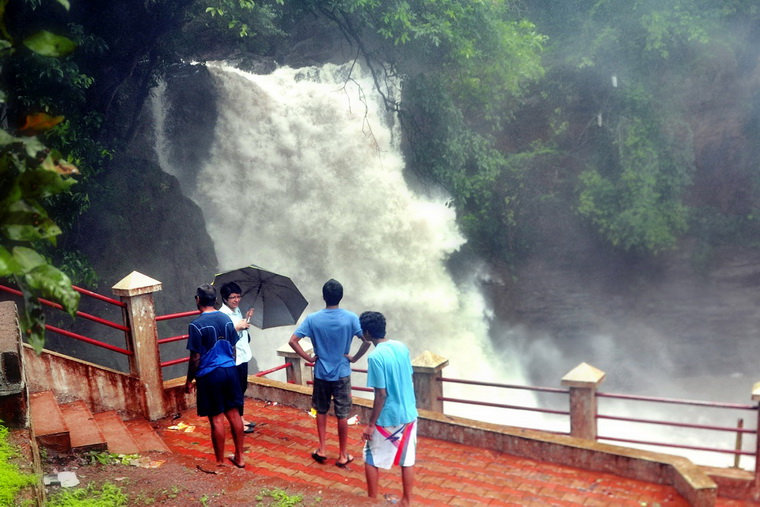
(377,407)
(192,369)
(359,353)
(295,344)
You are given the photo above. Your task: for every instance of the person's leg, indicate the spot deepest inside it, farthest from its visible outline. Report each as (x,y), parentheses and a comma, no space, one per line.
(342,405)
(242,370)
(407,483)
(343,457)
(322,434)
(320,401)
(372,474)
(217,436)
(236,425)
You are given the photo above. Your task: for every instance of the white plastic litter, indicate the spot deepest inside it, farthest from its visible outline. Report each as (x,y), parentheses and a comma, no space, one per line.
(68,479)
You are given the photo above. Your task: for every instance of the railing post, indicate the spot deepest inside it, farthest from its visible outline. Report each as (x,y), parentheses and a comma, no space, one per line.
(583,381)
(756,397)
(427,388)
(136,290)
(297,372)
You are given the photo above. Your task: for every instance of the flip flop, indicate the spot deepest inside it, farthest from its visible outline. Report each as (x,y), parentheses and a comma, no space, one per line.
(250,424)
(248,429)
(343,465)
(239,465)
(318,457)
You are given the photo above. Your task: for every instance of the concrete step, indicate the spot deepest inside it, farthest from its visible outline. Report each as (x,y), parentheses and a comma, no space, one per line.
(119,439)
(50,428)
(73,427)
(83,429)
(146,437)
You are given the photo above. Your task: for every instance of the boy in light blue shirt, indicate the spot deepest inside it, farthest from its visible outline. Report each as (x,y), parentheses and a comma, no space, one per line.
(391,433)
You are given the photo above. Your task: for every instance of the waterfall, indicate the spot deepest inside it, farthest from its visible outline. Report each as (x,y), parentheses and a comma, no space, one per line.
(305,178)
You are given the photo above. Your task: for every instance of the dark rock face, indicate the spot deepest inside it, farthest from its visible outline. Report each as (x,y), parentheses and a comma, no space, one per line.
(142,222)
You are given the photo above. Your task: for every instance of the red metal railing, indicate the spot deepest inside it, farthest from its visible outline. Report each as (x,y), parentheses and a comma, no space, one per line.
(83,315)
(272,370)
(738,430)
(502,405)
(172,316)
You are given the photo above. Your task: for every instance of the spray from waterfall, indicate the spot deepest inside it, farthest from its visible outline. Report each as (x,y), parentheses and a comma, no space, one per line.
(305,177)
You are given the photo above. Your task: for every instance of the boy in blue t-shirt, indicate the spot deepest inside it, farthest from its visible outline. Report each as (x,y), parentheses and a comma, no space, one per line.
(391,433)
(331,331)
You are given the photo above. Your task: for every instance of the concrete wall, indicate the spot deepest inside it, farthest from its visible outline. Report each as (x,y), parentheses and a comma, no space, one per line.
(71,379)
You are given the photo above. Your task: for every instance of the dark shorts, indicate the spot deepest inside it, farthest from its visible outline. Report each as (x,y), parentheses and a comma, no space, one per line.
(219,391)
(337,390)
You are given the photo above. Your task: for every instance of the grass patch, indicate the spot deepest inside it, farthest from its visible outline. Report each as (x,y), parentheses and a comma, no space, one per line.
(279,498)
(108,495)
(12,480)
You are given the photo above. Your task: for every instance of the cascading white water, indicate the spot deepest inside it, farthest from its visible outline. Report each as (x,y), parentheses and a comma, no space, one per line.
(305,178)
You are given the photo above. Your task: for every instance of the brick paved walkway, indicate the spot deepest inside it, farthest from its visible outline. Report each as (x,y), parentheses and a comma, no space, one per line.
(446,473)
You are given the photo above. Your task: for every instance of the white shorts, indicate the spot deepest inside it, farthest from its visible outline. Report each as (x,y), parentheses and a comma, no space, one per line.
(392,445)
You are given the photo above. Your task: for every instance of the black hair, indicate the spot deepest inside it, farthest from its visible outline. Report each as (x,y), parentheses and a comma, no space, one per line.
(206,295)
(374,323)
(332,292)
(229,288)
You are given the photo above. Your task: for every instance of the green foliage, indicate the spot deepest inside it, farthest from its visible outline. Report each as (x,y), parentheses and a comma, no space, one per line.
(244,24)
(108,495)
(279,497)
(31,173)
(11,479)
(638,206)
(109,458)
(482,52)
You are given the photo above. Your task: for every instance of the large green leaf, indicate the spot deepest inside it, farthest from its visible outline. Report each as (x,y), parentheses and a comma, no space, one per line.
(24,222)
(49,44)
(28,258)
(43,183)
(51,283)
(8,265)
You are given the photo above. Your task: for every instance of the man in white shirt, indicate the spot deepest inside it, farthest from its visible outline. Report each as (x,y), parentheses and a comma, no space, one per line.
(231,294)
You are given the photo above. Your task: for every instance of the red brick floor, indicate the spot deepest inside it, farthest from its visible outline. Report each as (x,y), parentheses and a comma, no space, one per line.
(446,473)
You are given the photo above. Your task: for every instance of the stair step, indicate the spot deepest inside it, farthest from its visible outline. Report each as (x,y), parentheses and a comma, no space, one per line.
(84,431)
(146,437)
(48,423)
(118,437)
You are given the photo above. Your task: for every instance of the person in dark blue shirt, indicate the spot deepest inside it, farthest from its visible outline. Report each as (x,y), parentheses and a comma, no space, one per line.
(211,342)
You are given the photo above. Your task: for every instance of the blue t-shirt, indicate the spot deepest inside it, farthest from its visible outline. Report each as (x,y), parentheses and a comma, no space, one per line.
(331,331)
(390,368)
(204,333)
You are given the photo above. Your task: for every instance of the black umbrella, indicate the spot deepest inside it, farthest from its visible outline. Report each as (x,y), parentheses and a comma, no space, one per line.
(275,299)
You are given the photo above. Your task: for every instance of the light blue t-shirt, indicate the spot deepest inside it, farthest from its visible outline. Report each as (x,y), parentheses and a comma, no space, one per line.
(331,331)
(390,368)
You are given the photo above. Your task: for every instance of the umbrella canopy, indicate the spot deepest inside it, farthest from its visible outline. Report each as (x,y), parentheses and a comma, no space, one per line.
(275,299)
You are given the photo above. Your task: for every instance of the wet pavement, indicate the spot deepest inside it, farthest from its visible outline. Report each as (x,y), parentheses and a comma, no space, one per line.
(445,474)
